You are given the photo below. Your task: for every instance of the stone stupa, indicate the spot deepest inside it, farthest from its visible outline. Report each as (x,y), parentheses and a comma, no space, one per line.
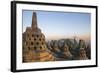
(67,52)
(83,54)
(34,44)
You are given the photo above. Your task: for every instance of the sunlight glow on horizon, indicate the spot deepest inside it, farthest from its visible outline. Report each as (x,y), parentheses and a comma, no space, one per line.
(57,25)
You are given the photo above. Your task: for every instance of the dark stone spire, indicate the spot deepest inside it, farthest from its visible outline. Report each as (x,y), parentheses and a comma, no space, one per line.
(34,21)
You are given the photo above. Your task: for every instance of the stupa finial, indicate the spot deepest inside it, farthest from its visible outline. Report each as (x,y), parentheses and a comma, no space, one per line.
(34,21)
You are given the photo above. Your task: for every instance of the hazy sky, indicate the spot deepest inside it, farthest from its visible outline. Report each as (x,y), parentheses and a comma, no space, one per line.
(60,24)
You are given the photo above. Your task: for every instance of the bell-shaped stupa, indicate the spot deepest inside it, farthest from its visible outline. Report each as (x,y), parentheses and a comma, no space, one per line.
(34,44)
(83,54)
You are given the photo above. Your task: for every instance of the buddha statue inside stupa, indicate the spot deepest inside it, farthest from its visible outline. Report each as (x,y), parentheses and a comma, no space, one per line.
(34,44)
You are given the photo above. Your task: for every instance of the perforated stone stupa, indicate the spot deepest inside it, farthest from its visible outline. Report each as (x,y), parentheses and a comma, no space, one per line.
(34,44)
